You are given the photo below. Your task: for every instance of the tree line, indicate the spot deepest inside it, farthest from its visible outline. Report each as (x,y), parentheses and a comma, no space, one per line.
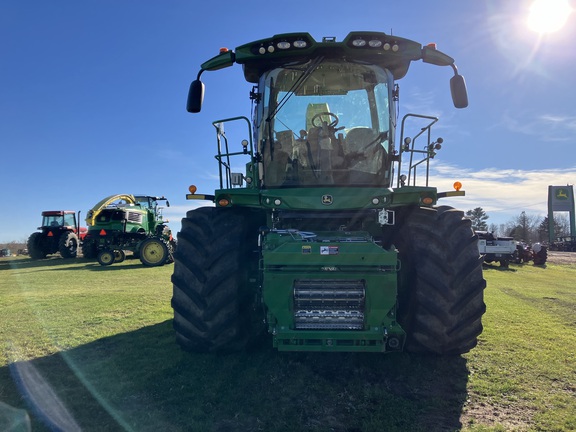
(524,227)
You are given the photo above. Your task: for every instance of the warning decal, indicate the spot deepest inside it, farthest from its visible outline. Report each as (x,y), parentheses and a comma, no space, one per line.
(328,250)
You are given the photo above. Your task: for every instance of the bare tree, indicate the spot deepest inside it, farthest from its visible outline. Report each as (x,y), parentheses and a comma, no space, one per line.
(525,228)
(494,229)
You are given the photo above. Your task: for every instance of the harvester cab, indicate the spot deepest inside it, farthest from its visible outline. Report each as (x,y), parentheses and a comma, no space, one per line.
(328,236)
(59,233)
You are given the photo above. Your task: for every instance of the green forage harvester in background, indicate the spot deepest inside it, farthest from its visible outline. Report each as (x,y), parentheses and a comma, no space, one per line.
(125,222)
(328,240)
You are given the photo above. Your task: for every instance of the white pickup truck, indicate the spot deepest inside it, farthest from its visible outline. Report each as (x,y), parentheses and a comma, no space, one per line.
(493,248)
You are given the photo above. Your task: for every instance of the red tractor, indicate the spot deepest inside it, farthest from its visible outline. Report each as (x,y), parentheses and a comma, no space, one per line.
(59,233)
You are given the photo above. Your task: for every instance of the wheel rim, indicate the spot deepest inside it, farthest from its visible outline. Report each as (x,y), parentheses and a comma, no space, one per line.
(153,252)
(107,258)
(72,246)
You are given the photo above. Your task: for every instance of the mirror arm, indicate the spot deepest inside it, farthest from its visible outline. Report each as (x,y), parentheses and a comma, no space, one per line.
(454,68)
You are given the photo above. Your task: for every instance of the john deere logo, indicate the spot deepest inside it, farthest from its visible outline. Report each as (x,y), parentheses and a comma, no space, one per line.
(561,194)
(327,199)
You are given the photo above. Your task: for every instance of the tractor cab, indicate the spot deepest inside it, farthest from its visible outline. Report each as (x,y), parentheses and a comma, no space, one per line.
(60,219)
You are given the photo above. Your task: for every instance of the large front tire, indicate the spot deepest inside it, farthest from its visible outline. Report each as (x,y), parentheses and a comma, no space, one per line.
(441,297)
(213,309)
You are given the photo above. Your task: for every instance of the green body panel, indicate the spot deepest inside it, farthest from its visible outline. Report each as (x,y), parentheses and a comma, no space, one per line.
(330,259)
(328,198)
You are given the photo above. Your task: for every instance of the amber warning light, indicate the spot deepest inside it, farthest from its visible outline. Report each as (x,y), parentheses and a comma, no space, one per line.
(457,185)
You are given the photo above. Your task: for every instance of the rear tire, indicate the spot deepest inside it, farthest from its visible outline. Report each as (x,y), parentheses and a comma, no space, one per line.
(68,245)
(441,294)
(153,252)
(89,249)
(35,249)
(214,310)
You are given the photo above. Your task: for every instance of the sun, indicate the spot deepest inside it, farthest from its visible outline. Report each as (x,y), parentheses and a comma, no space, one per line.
(548,16)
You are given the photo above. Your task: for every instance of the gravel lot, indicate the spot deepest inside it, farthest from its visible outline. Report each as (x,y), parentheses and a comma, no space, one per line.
(555,257)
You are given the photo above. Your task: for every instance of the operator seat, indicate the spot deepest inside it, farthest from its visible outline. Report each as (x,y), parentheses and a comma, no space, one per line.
(363,150)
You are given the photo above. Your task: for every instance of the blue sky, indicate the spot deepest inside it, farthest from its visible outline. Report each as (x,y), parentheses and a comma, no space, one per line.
(92,97)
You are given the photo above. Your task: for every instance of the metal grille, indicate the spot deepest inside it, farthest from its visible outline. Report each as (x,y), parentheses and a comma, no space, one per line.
(329,304)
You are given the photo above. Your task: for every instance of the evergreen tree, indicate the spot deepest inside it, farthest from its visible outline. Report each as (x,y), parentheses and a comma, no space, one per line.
(478,217)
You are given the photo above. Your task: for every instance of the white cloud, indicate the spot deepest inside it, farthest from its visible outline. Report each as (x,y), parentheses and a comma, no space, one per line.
(503,194)
(545,127)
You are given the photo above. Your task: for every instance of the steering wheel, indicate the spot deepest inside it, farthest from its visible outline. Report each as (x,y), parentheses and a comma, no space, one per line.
(319,115)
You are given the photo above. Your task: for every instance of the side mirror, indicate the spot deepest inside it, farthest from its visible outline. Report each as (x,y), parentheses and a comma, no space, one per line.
(458,90)
(195,97)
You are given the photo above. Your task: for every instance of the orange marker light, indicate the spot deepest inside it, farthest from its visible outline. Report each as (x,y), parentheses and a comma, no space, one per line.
(431,45)
(457,185)
(223,50)
(192,189)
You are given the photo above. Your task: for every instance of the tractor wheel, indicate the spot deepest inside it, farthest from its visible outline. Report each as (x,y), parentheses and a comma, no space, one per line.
(153,252)
(440,299)
(105,257)
(35,249)
(89,249)
(214,308)
(68,245)
(119,255)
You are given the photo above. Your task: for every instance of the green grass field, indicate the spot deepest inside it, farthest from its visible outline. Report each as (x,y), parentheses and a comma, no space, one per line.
(91,348)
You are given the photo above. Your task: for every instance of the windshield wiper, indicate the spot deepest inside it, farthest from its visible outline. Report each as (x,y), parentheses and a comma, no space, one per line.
(295,87)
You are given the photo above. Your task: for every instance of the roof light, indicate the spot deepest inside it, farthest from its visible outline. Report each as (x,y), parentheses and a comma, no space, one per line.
(262,50)
(395,47)
(386,46)
(300,44)
(283,45)
(271,48)
(223,50)
(457,185)
(359,42)
(375,43)
(192,189)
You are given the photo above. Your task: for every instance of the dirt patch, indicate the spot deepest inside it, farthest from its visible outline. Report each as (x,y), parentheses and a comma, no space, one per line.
(556,257)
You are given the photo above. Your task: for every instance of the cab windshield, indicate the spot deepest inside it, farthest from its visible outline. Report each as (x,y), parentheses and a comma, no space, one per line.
(325,123)
(52,221)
